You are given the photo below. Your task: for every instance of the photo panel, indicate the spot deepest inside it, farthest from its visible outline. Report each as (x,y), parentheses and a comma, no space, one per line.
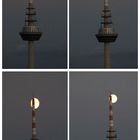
(34,34)
(21,118)
(103,34)
(103,105)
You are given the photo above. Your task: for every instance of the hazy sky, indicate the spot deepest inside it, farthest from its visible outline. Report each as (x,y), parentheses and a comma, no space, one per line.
(50,89)
(85,50)
(51,50)
(89,104)
(85,17)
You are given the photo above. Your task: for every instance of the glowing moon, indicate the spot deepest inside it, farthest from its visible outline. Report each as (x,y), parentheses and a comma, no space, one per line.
(114,98)
(36,103)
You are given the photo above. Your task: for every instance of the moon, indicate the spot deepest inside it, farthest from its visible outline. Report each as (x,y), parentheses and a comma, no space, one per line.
(114,98)
(36,103)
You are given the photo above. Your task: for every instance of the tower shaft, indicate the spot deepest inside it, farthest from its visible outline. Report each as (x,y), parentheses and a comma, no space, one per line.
(107,62)
(34,132)
(111,123)
(111,132)
(30,54)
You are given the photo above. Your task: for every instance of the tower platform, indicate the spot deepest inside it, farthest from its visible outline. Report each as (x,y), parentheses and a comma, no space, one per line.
(30,36)
(106,38)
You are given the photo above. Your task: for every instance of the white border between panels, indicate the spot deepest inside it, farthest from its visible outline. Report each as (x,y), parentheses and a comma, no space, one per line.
(67,70)
(138,70)
(1,103)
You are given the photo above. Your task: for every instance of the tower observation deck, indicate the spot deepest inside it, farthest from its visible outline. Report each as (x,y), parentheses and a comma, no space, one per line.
(30,31)
(106,33)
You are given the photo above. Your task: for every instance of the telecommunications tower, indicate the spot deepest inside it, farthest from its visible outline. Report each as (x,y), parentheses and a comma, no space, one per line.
(111,132)
(30,32)
(106,34)
(34,105)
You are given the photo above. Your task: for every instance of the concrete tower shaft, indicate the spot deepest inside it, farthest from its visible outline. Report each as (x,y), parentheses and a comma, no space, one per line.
(107,61)
(111,132)
(34,131)
(111,123)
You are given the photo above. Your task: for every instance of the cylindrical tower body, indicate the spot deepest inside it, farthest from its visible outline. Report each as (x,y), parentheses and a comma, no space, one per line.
(107,62)
(30,32)
(111,132)
(106,34)
(34,132)
(30,54)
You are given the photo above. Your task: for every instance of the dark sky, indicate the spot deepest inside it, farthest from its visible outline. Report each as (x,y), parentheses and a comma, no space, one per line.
(85,17)
(50,89)
(89,104)
(51,50)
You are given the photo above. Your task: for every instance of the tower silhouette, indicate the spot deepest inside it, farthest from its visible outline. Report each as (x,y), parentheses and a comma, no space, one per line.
(30,32)
(111,132)
(106,34)
(34,132)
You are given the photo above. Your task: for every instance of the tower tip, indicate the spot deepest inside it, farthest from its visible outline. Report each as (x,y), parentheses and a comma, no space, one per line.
(30,1)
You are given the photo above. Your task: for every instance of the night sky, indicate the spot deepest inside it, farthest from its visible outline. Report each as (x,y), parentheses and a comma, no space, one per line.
(51,50)
(89,105)
(50,89)
(85,17)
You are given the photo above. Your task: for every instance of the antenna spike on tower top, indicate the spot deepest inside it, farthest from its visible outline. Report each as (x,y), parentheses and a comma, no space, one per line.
(106,2)
(30,1)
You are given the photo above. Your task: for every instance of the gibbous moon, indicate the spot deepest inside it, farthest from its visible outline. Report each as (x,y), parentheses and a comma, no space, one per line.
(114,98)
(36,103)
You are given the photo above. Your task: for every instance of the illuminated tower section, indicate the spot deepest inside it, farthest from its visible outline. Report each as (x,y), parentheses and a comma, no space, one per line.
(30,32)
(34,105)
(106,33)
(111,132)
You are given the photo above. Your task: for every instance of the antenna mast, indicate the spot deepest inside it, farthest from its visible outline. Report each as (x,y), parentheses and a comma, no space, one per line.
(34,132)
(111,132)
